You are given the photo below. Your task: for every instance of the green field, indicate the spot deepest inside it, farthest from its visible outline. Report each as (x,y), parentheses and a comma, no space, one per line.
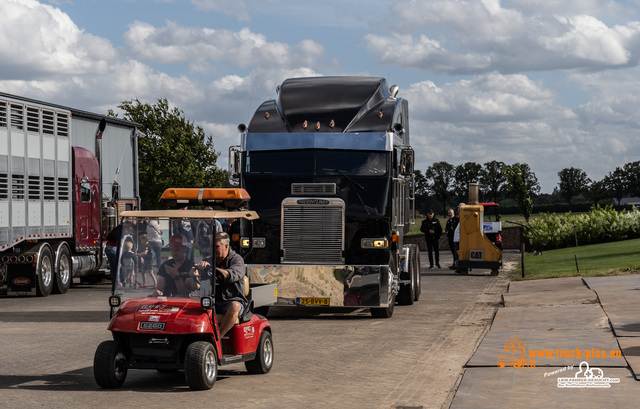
(620,257)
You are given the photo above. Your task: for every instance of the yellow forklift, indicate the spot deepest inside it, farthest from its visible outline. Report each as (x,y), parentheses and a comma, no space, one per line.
(478,246)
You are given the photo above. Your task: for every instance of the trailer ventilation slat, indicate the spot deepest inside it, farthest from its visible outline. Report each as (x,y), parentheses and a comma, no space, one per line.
(312,231)
(3,113)
(33,119)
(17,116)
(48,122)
(63,124)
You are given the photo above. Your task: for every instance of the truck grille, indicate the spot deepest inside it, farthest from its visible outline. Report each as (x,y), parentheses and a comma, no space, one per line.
(313,189)
(312,231)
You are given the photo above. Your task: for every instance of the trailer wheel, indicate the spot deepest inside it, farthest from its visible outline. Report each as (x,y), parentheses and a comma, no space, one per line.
(109,365)
(200,365)
(264,355)
(418,289)
(63,270)
(44,272)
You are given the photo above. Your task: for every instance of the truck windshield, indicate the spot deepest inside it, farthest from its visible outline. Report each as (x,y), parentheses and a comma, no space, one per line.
(317,162)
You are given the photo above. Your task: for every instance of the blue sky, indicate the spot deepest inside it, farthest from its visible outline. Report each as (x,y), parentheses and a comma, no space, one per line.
(552,84)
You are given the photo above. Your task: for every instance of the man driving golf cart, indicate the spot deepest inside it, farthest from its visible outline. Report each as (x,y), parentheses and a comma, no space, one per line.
(175,327)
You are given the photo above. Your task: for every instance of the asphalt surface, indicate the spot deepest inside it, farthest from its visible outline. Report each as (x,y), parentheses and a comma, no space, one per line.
(440,352)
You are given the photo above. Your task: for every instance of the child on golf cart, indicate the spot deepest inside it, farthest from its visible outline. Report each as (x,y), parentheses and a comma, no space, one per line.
(127,264)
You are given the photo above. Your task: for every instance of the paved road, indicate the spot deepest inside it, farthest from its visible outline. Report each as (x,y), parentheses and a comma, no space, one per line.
(329,360)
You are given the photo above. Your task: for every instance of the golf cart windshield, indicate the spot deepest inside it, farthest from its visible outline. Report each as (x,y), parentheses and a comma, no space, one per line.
(169,253)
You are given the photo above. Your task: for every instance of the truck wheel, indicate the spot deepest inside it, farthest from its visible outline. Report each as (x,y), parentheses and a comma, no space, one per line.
(63,270)
(200,365)
(418,289)
(44,272)
(405,296)
(387,312)
(264,355)
(109,365)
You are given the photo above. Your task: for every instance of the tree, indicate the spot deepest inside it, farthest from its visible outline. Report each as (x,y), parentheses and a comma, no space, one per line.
(440,182)
(493,180)
(573,181)
(616,184)
(530,179)
(598,191)
(466,173)
(632,176)
(517,180)
(421,192)
(173,151)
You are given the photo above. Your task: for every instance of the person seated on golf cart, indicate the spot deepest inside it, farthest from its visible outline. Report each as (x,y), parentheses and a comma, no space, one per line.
(230,271)
(174,274)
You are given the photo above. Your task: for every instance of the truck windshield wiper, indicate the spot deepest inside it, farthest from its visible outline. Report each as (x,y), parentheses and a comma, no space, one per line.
(349,178)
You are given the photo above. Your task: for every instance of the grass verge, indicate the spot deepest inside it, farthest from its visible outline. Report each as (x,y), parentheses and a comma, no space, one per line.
(616,258)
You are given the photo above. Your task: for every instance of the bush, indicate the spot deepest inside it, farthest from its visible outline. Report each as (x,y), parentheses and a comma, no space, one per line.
(599,225)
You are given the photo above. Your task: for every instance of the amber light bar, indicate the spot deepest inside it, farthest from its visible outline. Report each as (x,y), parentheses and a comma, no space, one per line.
(229,198)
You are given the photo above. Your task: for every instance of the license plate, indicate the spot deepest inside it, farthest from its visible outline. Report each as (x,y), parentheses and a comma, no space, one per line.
(157,326)
(313,301)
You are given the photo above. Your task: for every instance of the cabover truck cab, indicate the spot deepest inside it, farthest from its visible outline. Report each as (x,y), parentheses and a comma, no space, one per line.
(329,167)
(50,201)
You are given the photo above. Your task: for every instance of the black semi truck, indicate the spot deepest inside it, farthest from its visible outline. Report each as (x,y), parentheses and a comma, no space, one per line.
(329,168)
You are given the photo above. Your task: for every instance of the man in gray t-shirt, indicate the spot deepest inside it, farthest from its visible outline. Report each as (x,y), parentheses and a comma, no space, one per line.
(230,272)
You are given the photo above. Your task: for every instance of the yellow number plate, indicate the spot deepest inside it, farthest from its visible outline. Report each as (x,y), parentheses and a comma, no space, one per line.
(313,301)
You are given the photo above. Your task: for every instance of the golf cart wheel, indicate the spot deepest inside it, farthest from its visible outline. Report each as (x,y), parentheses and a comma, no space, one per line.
(264,355)
(109,365)
(200,365)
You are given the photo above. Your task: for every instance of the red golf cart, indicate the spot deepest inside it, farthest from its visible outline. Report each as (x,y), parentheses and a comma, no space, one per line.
(180,331)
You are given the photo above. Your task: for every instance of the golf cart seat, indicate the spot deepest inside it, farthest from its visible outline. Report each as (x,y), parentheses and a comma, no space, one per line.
(248,312)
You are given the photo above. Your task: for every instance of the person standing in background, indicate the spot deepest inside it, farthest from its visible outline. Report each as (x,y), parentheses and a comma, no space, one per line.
(450,228)
(432,231)
(154,236)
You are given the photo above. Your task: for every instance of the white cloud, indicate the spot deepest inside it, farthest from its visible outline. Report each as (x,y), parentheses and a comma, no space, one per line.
(471,36)
(51,45)
(175,43)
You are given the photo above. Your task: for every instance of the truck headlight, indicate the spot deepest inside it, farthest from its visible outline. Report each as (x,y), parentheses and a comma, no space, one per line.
(374,243)
(258,242)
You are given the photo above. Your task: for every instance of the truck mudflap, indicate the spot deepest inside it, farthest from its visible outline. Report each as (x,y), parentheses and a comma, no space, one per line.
(326,286)
(21,279)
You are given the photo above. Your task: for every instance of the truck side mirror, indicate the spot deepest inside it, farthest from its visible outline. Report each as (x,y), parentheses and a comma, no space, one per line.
(406,162)
(234,165)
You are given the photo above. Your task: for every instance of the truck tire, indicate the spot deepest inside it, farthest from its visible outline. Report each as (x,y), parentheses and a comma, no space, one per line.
(264,355)
(110,365)
(411,292)
(200,365)
(63,270)
(418,288)
(387,312)
(407,291)
(44,272)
